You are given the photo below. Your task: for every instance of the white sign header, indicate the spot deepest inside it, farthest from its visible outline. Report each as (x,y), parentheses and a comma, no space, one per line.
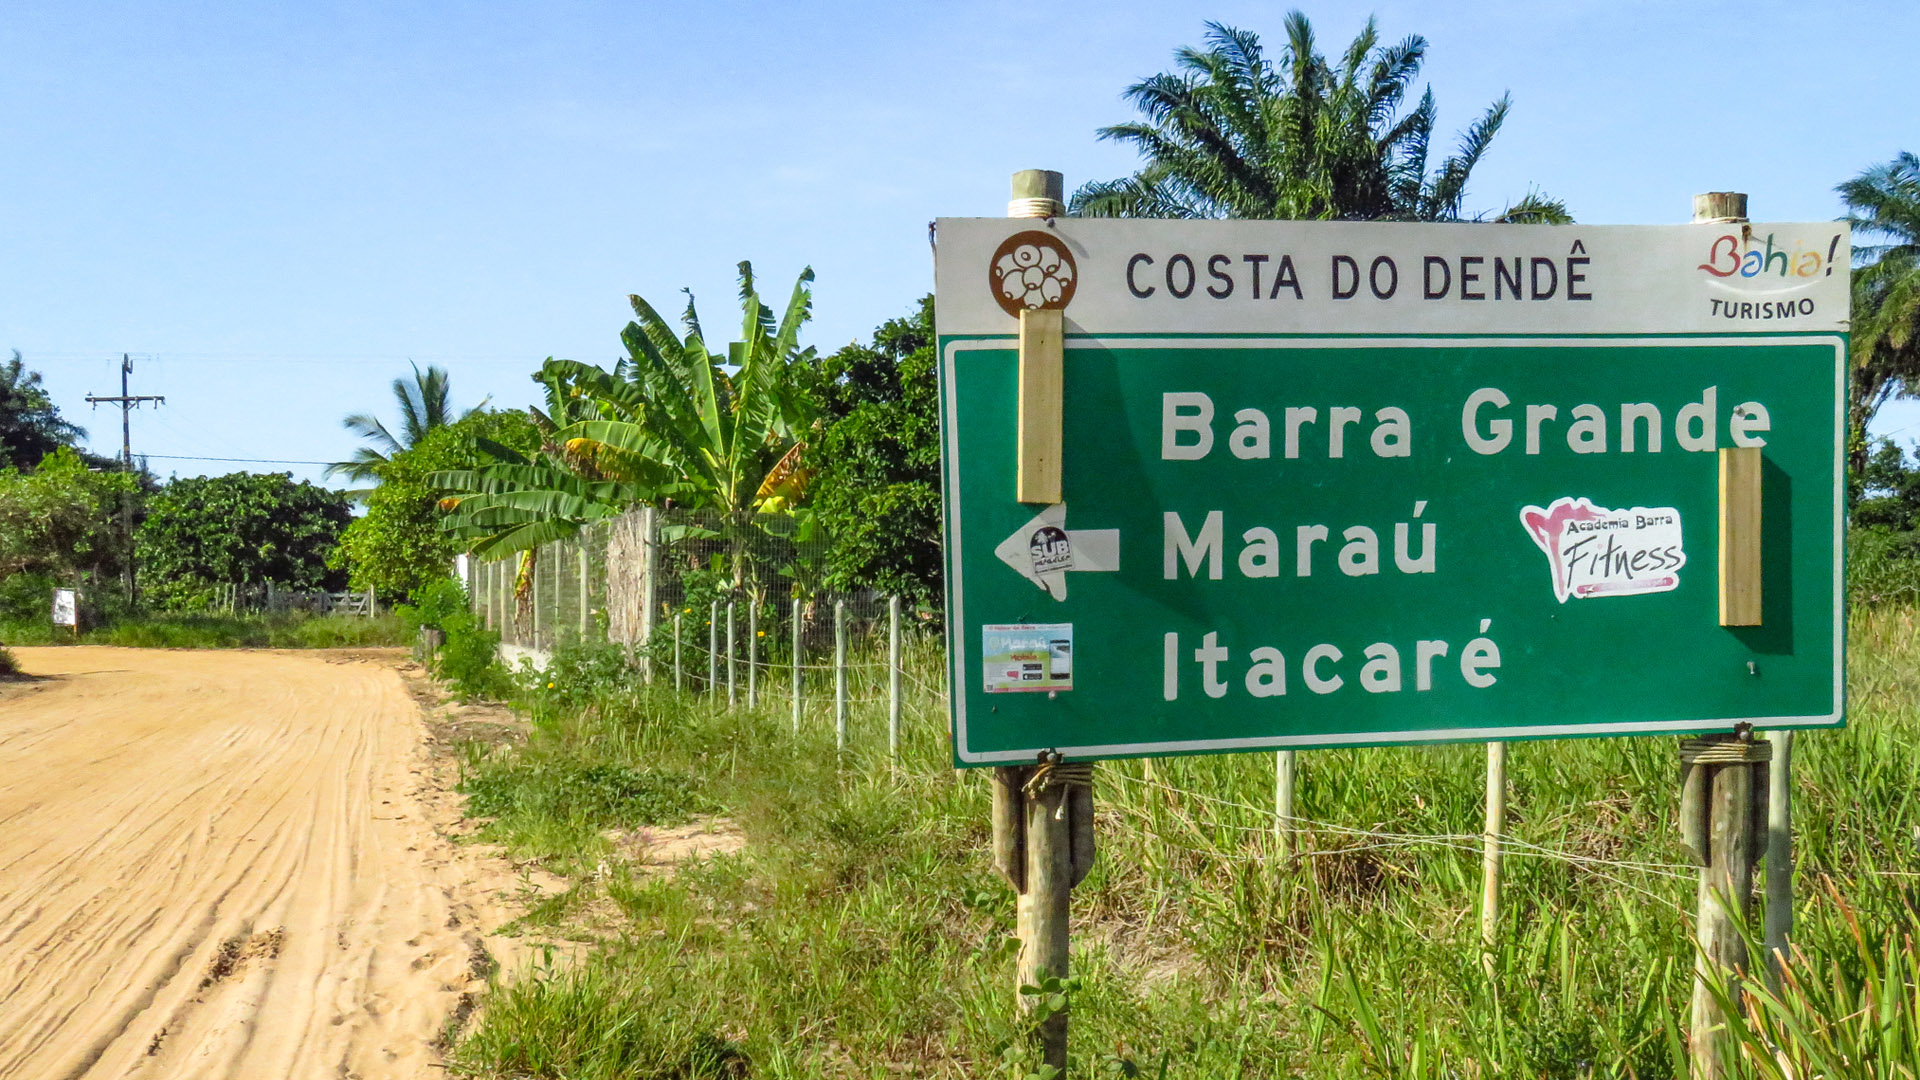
(1117,276)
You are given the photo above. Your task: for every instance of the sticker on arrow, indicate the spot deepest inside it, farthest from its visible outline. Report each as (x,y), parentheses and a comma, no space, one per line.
(1044,550)
(1027,657)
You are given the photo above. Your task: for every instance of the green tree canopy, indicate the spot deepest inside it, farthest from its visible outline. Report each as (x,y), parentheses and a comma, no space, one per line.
(398,547)
(245,528)
(1887,494)
(875,489)
(61,520)
(1232,134)
(1883,206)
(30,425)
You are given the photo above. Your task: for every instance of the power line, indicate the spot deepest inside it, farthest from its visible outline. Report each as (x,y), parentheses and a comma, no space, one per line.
(263,358)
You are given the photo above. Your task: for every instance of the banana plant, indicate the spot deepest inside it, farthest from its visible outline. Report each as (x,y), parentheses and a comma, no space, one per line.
(674,405)
(673,425)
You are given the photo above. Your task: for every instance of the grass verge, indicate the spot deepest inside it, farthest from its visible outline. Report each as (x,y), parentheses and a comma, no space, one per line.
(201,631)
(862,934)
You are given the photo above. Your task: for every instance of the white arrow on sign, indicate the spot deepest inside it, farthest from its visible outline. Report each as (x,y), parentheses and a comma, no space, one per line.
(1044,550)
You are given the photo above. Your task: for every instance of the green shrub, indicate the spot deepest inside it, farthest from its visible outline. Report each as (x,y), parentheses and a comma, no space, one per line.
(9,667)
(435,605)
(578,674)
(26,598)
(468,660)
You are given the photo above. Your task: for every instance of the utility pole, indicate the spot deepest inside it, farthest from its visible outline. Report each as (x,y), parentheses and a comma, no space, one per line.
(128,401)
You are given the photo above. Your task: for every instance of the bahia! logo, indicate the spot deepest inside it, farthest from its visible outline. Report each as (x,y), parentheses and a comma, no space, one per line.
(1728,257)
(1767,278)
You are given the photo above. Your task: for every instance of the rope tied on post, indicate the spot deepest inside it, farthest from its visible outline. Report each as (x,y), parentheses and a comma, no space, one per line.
(1055,773)
(1725,751)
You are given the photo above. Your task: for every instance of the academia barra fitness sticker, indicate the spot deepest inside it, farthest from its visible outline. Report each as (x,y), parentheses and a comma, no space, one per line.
(1593,551)
(1027,657)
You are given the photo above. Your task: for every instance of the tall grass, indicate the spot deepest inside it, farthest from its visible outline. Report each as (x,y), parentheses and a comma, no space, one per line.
(208,631)
(862,932)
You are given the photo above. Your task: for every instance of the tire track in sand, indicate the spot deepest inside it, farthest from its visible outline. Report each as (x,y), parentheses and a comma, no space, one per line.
(219,864)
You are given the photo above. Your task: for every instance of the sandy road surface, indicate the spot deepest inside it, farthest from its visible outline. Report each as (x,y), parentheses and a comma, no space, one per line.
(219,864)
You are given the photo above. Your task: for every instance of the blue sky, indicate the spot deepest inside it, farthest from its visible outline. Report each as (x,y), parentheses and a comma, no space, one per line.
(275,207)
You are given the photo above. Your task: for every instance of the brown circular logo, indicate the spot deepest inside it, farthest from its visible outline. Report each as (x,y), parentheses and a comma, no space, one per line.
(1032,271)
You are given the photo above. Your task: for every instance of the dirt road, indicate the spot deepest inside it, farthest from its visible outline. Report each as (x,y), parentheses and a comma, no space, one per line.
(220,864)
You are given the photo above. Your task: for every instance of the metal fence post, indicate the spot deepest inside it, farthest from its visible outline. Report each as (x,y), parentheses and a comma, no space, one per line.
(713,647)
(840,674)
(1779,919)
(893,679)
(1491,854)
(753,655)
(533,575)
(650,583)
(586,597)
(732,653)
(1284,776)
(676,652)
(798,637)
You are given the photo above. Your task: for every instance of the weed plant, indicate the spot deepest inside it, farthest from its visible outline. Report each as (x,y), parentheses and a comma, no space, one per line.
(468,659)
(862,932)
(9,667)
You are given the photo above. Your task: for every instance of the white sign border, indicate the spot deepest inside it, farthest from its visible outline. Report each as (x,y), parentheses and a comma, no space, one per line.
(956,600)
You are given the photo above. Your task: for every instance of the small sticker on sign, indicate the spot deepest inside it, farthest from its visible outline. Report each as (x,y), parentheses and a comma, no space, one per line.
(1593,551)
(1027,657)
(1051,551)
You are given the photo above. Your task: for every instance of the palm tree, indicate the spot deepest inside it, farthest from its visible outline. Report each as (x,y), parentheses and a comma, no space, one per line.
(674,424)
(30,425)
(1232,135)
(425,404)
(1883,206)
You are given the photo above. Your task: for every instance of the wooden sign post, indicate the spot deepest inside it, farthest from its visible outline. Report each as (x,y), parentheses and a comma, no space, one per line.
(1728,782)
(1042,813)
(1717,806)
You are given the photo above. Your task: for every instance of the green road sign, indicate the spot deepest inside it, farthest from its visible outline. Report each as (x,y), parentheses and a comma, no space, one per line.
(1296,518)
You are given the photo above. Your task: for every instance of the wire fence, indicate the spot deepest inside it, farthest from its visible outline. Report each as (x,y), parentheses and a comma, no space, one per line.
(708,606)
(736,615)
(1352,840)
